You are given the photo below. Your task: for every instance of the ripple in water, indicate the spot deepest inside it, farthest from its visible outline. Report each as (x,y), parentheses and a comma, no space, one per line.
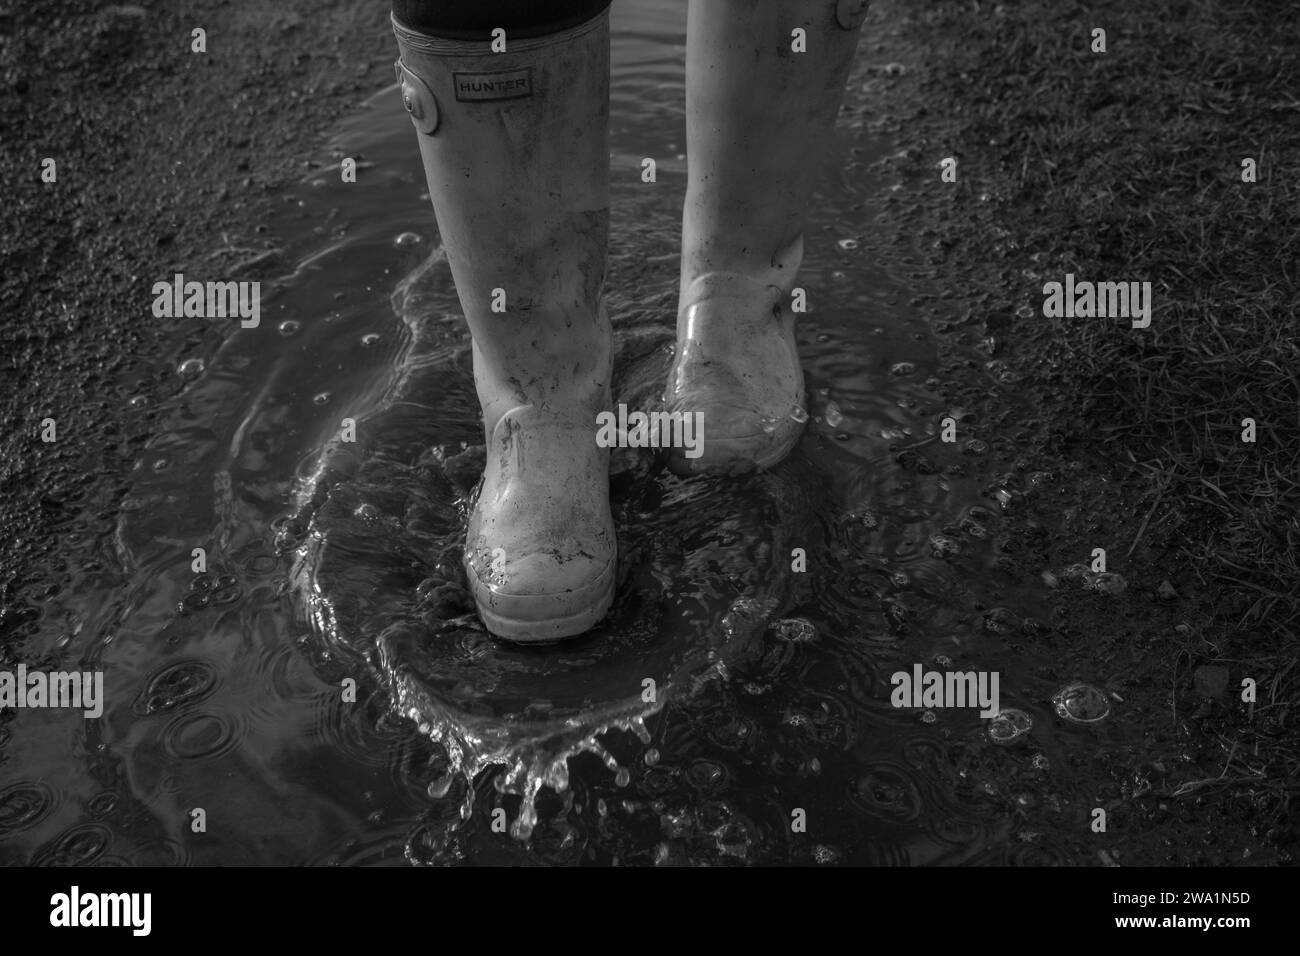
(378,577)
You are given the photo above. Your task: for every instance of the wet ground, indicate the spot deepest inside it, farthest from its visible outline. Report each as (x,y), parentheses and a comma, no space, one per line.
(323,692)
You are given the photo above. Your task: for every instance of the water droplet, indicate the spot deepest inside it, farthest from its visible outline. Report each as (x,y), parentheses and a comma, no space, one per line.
(190,368)
(1025,312)
(138,401)
(834,417)
(321,399)
(651,757)
(406,239)
(848,245)
(975,446)
(1081,704)
(288,327)
(798,413)
(369,339)
(622,778)
(767,424)
(1008,726)
(601,808)
(366,512)
(902,368)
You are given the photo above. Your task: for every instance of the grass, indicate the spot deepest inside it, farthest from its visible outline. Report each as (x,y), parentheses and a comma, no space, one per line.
(1127,166)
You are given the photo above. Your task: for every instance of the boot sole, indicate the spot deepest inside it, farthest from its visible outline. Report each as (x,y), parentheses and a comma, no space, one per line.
(527,622)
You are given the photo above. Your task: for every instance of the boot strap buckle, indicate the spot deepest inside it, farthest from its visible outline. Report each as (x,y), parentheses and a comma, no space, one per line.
(417,98)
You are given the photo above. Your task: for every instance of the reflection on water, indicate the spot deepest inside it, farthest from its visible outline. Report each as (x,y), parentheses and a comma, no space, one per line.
(316,681)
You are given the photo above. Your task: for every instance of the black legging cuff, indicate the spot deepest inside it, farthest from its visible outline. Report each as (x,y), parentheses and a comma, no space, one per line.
(476,19)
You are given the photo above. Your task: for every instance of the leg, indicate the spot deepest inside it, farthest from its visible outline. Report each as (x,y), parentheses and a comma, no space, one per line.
(516,156)
(759,116)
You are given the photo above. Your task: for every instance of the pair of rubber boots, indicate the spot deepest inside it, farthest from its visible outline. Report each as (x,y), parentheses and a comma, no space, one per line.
(514,135)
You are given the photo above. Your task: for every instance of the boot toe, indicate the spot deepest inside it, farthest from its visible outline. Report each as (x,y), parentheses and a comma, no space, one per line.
(541,594)
(737,440)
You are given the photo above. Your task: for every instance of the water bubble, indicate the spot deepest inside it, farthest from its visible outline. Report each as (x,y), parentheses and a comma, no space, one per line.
(902,368)
(796,630)
(407,239)
(366,512)
(1075,572)
(190,368)
(438,788)
(1105,582)
(975,446)
(288,327)
(1000,371)
(1081,704)
(1008,726)
(1040,762)
(1001,620)
(1025,312)
(622,778)
(834,417)
(848,245)
(322,398)
(942,546)
(651,757)
(369,339)
(798,413)
(826,854)
(137,401)
(768,425)
(601,808)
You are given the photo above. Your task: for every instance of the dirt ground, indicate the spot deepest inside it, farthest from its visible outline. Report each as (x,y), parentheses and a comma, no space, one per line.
(1123,164)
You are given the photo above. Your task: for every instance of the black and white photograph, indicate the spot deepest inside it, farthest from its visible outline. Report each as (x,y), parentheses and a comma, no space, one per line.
(749,434)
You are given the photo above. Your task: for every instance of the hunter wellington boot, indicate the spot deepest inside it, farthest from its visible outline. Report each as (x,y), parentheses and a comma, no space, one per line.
(516,155)
(761,103)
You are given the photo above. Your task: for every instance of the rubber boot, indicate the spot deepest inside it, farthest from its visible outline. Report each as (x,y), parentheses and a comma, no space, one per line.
(516,154)
(759,118)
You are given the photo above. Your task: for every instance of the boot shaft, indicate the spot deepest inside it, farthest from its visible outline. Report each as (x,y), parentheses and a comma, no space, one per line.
(761,102)
(514,135)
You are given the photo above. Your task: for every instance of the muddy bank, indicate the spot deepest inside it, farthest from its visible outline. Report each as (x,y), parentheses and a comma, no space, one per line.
(165,161)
